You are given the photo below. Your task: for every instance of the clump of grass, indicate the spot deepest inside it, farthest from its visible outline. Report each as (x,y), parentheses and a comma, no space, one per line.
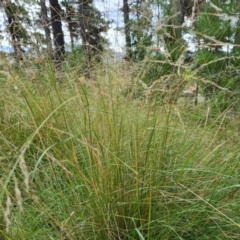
(99,165)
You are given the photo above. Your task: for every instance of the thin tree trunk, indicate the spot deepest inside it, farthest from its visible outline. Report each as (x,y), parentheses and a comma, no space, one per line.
(70,25)
(237,36)
(46,24)
(13,29)
(177,6)
(182,9)
(126,12)
(83,33)
(158,20)
(196,95)
(57,31)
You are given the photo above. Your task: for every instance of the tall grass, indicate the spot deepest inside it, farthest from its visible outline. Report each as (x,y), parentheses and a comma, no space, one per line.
(81,160)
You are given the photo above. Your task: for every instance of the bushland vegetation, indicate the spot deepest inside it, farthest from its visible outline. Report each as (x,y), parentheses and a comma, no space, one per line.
(92,148)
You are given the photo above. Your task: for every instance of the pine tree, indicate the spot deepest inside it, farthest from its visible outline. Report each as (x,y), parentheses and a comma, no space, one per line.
(236,8)
(57,31)
(92,25)
(213,31)
(217,62)
(71,16)
(171,30)
(46,26)
(16,15)
(126,18)
(138,29)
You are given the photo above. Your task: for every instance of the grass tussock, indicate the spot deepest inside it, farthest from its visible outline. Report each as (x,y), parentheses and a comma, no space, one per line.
(85,160)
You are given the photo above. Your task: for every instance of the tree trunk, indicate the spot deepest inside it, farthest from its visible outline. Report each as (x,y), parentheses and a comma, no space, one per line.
(237,35)
(85,45)
(57,31)
(14,29)
(70,22)
(176,10)
(46,24)
(126,12)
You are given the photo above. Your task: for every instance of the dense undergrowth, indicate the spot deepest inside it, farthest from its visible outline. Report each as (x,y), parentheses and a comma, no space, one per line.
(83,160)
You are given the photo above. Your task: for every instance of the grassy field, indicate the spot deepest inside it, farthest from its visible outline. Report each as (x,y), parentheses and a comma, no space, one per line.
(85,160)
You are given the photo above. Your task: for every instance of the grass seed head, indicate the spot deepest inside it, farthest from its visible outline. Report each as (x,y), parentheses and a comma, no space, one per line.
(7,213)
(23,167)
(18,195)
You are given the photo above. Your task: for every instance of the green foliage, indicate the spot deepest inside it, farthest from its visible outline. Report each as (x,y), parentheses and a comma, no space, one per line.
(95,26)
(17,15)
(71,16)
(75,58)
(214,63)
(163,63)
(140,45)
(156,67)
(211,62)
(140,27)
(172,26)
(213,27)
